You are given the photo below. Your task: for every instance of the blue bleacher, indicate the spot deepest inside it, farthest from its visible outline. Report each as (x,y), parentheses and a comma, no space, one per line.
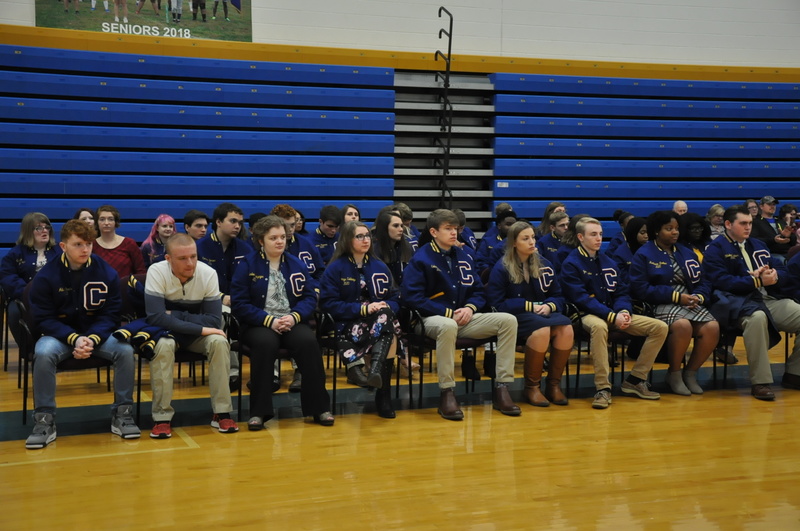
(651,88)
(32,110)
(192,140)
(190,92)
(549,126)
(631,107)
(102,63)
(656,170)
(658,149)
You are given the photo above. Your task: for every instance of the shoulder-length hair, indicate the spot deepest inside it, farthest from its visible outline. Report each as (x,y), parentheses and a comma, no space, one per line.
(571,236)
(160,220)
(347,233)
(511,259)
(544,226)
(385,244)
(30,221)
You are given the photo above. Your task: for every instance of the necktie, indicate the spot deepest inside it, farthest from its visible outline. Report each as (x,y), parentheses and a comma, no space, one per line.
(746,257)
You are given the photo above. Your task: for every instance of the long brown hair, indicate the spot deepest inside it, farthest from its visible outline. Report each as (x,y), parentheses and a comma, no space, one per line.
(511,259)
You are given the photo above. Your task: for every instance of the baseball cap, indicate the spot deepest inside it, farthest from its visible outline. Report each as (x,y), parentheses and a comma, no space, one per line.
(769,200)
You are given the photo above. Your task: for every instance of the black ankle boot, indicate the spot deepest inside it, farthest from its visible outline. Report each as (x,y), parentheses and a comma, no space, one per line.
(379,352)
(383,396)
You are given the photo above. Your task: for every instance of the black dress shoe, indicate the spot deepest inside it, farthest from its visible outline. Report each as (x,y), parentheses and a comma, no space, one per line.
(790,381)
(297,382)
(235,382)
(356,376)
(448,406)
(763,392)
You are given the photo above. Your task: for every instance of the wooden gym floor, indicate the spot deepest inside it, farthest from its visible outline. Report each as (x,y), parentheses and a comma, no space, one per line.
(722,460)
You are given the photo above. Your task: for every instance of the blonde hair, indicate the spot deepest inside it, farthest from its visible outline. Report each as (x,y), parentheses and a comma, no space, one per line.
(511,260)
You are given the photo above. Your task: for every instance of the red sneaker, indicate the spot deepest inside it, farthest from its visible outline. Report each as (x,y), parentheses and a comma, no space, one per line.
(161,430)
(224,425)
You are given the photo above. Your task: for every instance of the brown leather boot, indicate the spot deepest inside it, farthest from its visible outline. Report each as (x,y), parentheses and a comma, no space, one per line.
(448,406)
(533,378)
(558,360)
(502,402)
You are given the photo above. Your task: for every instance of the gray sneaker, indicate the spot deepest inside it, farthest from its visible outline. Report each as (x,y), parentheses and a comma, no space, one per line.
(641,390)
(122,423)
(44,431)
(602,399)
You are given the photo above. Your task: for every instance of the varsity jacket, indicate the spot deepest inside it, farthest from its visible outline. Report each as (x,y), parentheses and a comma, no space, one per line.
(791,288)
(595,285)
(340,289)
(18,267)
(486,255)
(209,251)
(301,247)
(153,252)
(66,304)
(615,243)
(651,274)
(548,246)
(469,237)
(505,296)
(433,287)
(725,268)
(250,286)
(325,246)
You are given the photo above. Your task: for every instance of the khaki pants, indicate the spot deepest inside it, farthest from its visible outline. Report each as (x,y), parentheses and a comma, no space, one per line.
(786,315)
(483,325)
(216,348)
(655,330)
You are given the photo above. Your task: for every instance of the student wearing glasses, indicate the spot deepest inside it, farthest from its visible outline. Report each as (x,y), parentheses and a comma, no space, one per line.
(35,247)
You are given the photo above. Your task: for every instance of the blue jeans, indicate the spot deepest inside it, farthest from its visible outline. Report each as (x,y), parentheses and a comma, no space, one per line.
(49,352)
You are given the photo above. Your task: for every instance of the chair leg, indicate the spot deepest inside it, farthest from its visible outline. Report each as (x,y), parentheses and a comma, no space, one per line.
(139,391)
(108,378)
(241,384)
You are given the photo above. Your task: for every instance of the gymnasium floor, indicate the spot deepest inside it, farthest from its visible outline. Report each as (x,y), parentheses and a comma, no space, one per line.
(722,460)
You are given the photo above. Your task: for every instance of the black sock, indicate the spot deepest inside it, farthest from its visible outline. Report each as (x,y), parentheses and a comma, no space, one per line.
(223,416)
(633,379)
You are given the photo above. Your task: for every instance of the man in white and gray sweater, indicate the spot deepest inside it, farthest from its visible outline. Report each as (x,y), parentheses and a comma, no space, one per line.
(182,296)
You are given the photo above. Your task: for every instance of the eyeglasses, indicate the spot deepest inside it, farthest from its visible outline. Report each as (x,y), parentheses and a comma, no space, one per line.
(362,237)
(42,228)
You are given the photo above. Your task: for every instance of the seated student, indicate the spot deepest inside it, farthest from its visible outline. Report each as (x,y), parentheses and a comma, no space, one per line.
(153,247)
(251,222)
(667,274)
(465,234)
(297,245)
(791,287)
(622,217)
(592,281)
(300,224)
(181,294)
(195,224)
(525,285)
(441,282)
(544,225)
(75,304)
(390,245)
(35,247)
(350,212)
(119,252)
(86,214)
(358,291)
(491,232)
(635,236)
(412,232)
(695,233)
(549,244)
(491,249)
(222,250)
(747,283)
(324,237)
(569,242)
(274,297)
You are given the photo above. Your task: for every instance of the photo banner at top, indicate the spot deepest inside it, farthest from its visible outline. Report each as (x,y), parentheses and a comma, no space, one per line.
(223,20)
